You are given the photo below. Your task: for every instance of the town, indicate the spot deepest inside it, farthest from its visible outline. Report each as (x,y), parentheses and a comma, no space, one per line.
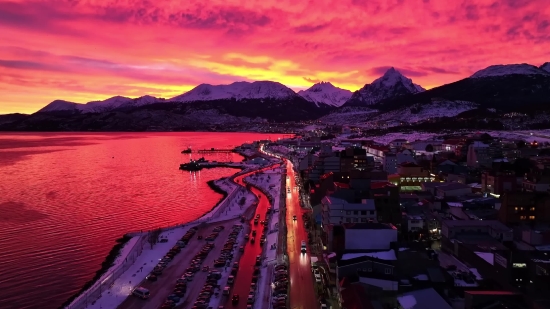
(459,222)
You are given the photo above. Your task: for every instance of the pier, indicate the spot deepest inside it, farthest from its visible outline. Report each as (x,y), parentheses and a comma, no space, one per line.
(214,150)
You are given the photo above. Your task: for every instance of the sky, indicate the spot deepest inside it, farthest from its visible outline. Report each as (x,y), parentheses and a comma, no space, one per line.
(85,50)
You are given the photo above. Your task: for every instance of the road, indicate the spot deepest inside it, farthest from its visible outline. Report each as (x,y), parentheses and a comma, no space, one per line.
(247,262)
(302,289)
(167,281)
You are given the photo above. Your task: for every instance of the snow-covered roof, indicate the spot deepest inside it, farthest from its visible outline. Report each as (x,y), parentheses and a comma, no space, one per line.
(487,256)
(383,255)
(423,299)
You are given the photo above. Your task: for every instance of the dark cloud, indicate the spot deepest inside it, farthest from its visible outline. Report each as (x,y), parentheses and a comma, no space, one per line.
(438,70)
(516,4)
(543,26)
(471,12)
(407,72)
(37,17)
(27,65)
(310,28)
(311,80)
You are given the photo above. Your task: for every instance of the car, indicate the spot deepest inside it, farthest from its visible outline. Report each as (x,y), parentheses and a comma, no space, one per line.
(294,218)
(141,292)
(241,249)
(226,290)
(235,299)
(151,277)
(230,280)
(250,299)
(163,240)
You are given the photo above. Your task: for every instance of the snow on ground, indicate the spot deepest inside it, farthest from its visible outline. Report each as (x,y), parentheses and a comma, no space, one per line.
(432,110)
(229,208)
(409,136)
(383,255)
(407,301)
(272,185)
(149,258)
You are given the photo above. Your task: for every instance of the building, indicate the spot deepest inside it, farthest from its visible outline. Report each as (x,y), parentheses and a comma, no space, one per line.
(386,200)
(398,143)
(498,182)
(524,207)
(354,159)
(412,175)
(358,237)
(414,223)
(392,160)
(453,229)
(479,154)
(338,211)
(452,190)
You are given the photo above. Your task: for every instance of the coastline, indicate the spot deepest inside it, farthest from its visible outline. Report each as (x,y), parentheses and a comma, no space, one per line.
(117,249)
(106,265)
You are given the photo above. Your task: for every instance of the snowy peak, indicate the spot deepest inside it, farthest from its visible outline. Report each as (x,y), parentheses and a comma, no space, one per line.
(510,69)
(266,89)
(60,105)
(392,77)
(326,93)
(390,85)
(237,90)
(545,66)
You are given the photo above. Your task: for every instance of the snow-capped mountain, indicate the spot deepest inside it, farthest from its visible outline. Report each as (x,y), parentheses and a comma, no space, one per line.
(237,90)
(510,69)
(326,93)
(392,84)
(545,66)
(100,106)
(60,105)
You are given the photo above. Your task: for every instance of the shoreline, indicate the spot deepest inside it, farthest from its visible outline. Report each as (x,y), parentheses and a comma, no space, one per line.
(106,265)
(116,250)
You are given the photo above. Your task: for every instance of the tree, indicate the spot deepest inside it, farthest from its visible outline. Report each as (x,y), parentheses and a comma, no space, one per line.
(153,237)
(429,148)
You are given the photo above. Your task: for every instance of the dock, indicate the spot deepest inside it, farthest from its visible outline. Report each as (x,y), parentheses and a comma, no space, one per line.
(213,150)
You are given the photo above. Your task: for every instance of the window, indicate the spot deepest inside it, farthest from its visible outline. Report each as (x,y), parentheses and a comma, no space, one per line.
(519,265)
(363,212)
(387,271)
(522,217)
(532,209)
(364,220)
(531,217)
(348,220)
(371,212)
(348,212)
(355,212)
(355,220)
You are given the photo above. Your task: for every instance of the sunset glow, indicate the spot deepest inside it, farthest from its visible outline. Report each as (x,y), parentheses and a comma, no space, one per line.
(88,50)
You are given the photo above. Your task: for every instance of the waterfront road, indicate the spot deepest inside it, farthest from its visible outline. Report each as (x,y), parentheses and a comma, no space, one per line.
(176,268)
(243,280)
(302,289)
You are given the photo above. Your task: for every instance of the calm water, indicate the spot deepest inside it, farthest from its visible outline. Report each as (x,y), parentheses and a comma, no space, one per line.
(65,198)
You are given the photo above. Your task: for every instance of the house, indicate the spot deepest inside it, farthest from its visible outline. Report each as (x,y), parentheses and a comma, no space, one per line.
(391,160)
(366,264)
(414,223)
(398,143)
(422,299)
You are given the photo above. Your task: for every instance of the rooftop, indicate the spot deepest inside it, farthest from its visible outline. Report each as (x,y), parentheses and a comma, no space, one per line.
(452,186)
(423,299)
(369,226)
(383,255)
(494,224)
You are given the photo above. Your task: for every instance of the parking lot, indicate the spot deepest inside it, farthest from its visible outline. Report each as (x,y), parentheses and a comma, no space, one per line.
(165,284)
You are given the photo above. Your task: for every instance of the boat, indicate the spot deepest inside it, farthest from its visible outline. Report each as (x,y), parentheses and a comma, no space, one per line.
(191,166)
(188,150)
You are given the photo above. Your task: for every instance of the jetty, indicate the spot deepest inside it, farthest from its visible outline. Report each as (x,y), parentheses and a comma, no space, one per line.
(214,150)
(199,165)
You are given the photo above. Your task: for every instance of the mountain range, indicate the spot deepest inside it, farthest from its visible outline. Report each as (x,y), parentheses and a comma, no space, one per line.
(513,87)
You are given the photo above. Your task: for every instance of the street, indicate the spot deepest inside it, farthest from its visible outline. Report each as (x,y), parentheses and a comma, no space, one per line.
(302,290)
(247,262)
